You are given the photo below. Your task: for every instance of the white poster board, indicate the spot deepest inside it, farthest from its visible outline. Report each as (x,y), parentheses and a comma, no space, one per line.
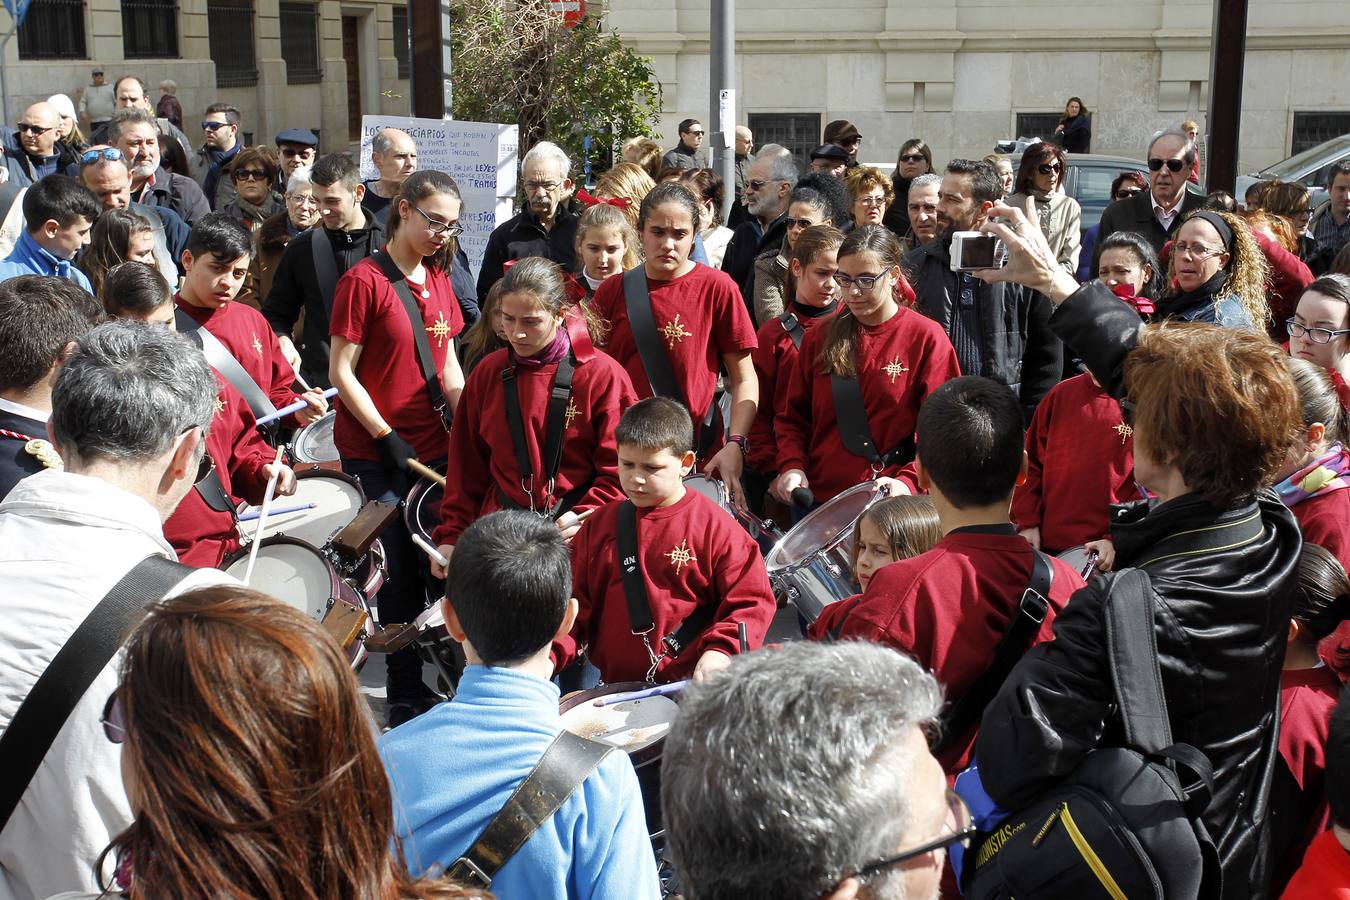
(482,158)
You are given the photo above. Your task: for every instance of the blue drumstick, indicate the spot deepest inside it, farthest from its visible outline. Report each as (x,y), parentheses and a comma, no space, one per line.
(254,513)
(659,691)
(293,407)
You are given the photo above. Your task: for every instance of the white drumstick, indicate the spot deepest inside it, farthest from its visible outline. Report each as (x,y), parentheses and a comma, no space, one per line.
(430,550)
(262,516)
(304,385)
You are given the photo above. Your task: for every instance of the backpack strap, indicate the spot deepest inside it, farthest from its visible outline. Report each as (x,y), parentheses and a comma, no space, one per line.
(655,361)
(61,686)
(563,768)
(855,432)
(419,330)
(555,424)
(793,326)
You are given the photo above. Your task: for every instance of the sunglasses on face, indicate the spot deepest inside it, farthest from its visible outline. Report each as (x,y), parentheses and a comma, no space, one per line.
(114,727)
(250,175)
(913,158)
(1173,165)
(1049,168)
(799,223)
(33,129)
(756,185)
(292,151)
(212,126)
(1126,193)
(695,133)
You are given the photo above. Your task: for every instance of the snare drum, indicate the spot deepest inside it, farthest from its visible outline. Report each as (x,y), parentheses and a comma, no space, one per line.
(314,442)
(1081,561)
(766,535)
(812,566)
(337,498)
(637,727)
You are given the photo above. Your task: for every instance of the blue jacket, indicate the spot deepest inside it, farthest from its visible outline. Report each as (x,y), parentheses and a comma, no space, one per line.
(28,258)
(453,768)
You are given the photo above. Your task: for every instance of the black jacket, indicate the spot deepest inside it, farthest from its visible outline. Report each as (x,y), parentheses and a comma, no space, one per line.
(1136,214)
(897,214)
(1077,134)
(521,237)
(1223,581)
(1017,347)
(15,462)
(743,249)
(179,193)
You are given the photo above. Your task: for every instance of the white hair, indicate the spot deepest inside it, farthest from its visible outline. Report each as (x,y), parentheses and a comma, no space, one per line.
(301,177)
(547,151)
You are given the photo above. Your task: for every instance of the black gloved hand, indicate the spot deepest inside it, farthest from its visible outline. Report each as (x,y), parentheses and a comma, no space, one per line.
(395,452)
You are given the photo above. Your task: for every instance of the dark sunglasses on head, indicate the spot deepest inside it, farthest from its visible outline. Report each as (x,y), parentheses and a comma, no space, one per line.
(1173,165)
(1049,168)
(114,727)
(250,175)
(913,158)
(89,157)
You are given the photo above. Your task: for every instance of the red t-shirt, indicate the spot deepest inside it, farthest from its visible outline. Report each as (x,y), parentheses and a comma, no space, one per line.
(949,607)
(245,333)
(774,358)
(700,315)
(482,455)
(366,311)
(1080,460)
(1325,521)
(692,553)
(1325,873)
(900,362)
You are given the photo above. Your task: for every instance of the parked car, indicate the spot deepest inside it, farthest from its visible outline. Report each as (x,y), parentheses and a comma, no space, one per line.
(1309,167)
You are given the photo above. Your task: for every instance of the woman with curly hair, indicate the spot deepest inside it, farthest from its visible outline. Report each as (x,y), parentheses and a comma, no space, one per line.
(872,195)
(1218,273)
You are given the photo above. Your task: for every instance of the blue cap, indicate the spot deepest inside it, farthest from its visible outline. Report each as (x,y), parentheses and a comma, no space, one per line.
(298,136)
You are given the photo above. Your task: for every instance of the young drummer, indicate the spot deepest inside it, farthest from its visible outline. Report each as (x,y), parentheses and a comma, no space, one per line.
(894,355)
(215,264)
(699,315)
(700,572)
(949,607)
(514,404)
(202,529)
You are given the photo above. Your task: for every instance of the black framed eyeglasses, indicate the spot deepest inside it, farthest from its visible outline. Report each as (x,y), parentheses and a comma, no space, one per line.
(1173,165)
(962,829)
(114,725)
(435,226)
(862,282)
(1316,335)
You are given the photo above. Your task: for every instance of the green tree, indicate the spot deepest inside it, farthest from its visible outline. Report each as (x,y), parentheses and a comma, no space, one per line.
(515,62)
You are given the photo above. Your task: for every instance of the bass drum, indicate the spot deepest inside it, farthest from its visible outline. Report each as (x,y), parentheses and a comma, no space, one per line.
(812,566)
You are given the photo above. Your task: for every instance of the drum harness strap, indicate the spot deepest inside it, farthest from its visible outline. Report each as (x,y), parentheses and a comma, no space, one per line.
(555,424)
(639,604)
(415,321)
(76,665)
(325,266)
(223,361)
(856,433)
(655,361)
(793,326)
(563,768)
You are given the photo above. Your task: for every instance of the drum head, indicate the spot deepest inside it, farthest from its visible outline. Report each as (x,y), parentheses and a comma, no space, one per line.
(294,573)
(631,726)
(337,499)
(711,488)
(314,442)
(823,528)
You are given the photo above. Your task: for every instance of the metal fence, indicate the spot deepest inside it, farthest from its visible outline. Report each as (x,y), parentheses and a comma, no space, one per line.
(232,49)
(53,29)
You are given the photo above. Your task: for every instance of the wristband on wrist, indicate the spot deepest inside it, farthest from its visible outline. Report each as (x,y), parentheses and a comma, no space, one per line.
(740,441)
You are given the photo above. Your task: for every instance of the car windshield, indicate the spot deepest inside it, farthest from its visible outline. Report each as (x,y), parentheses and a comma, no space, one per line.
(1308,159)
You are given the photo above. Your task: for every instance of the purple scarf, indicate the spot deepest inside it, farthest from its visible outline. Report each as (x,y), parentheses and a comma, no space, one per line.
(551,354)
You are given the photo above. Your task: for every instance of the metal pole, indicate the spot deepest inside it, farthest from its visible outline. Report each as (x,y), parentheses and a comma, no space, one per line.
(429,24)
(722,126)
(1225,92)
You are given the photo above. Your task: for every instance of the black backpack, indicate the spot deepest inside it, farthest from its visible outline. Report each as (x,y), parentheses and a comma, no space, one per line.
(1125,824)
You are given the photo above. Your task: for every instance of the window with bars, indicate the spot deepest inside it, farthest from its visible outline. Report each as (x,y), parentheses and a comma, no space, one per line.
(231,36)
(150,29)
(300,43)
(798,132)
(53,29)
(402,42)
(1041,125)
(1310,128)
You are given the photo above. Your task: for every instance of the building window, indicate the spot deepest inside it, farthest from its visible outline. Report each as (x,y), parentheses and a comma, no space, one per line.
(300,42)
(798,132)
(1310,128)
(1038,125)
(402,42)
(231,38)
(53,29)
(150,29)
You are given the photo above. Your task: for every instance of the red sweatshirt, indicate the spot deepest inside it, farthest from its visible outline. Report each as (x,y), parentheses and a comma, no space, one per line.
(1080,456)
(1325,521)
(900,361)
(692,554)
(482,455)
(250,340)
(1289,277)
(1307,700)
(202,536)
(1325,873)
(701,317)
(774,358)
(949,607)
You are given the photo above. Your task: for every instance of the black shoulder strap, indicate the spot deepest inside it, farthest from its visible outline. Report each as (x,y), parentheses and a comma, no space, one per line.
(555,419)
(793,326)
(419,330)
(635,589)
(223,361)
(1133,645)
(563,768)
(655,361)
(43,713)
(958,718)
(325,267)
(851,418)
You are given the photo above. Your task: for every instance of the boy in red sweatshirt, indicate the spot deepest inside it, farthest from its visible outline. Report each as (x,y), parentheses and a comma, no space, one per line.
(949,607)
(700,573)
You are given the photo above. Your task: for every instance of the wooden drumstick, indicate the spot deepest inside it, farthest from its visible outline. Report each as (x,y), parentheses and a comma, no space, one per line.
(262,516)
(426,471)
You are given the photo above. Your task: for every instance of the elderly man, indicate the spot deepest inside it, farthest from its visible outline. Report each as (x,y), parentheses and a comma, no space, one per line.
(804,772)
(545,227)
(298,148)
(922,206)
(1156,213)
(133,131)
(830,159)
(97,101)
(35,149)
(745,145)
(768,184)
(104,171)
(395,158)
(130,408)
(220,144)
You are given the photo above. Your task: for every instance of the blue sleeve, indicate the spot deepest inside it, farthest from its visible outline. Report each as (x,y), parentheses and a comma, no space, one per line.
(613,837)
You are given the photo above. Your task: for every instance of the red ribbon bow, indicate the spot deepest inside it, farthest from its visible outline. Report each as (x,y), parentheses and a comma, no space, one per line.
(590,199)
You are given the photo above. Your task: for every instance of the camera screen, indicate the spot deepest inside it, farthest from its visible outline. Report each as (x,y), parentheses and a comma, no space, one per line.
(979,252)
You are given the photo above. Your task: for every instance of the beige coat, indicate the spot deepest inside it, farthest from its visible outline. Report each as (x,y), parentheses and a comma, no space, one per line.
(1061,223)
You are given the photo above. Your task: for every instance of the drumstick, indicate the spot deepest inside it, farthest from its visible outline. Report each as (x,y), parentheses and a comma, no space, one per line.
(293,407)
(426,471)
(262,516)
(431,551)
(659,691)
(252,514)
(300,379)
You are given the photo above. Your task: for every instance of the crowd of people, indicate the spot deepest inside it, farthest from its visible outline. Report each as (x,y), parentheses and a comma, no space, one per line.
(621,412)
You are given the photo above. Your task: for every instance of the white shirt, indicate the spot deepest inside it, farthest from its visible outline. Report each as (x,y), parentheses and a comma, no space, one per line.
(65,540)
(1165,216)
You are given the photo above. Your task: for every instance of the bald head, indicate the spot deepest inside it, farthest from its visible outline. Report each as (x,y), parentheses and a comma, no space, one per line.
(395,156)
(745,141)
(39,127)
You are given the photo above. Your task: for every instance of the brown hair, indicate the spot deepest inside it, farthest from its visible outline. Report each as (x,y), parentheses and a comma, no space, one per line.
(861,179)
(259,154)
(837,356)
(1248,271)
(417,187)
(109,242)
(909,524)
(544,280)
(253,763)
(1283,198)
(1341,264)
(707,185)
(1038,154)
(1258,219)
(1317,398)
(812,240)
(602,215)
(626,180)
(1217,403)
(481,338)
(645,152)
(915,145)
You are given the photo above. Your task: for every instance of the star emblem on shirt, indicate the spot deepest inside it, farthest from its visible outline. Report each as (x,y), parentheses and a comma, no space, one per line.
(675,331)
(257,345)
(1125,432)
(895,368)
(681,556)
(440,329)
(572,413)
(220,404)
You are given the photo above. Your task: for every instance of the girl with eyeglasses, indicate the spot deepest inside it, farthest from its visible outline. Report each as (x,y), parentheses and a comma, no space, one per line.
(1041,175)
(897,356)
(1319,328)
(1218,273)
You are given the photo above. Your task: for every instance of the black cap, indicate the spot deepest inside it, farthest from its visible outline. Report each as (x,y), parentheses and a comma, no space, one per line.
(830,151)
(297,136)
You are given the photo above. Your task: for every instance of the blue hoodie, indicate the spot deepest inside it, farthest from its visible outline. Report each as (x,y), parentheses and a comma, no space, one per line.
(28,258)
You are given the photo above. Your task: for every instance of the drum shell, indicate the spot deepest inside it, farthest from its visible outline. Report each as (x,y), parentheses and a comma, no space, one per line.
(810,588)
(823,573)
(314,445)
(422,508)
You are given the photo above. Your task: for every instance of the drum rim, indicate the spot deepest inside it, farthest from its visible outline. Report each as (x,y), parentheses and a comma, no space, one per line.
(327,421)
(336,585)
(413,501)
(844,533)
(642,755)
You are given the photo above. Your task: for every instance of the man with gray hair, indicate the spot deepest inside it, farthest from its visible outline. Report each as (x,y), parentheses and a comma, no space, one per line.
(922,208)
(1158,212)
(135,133)
(768,183)
(804,772)
(130,407)
(394,154)
(545,227)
